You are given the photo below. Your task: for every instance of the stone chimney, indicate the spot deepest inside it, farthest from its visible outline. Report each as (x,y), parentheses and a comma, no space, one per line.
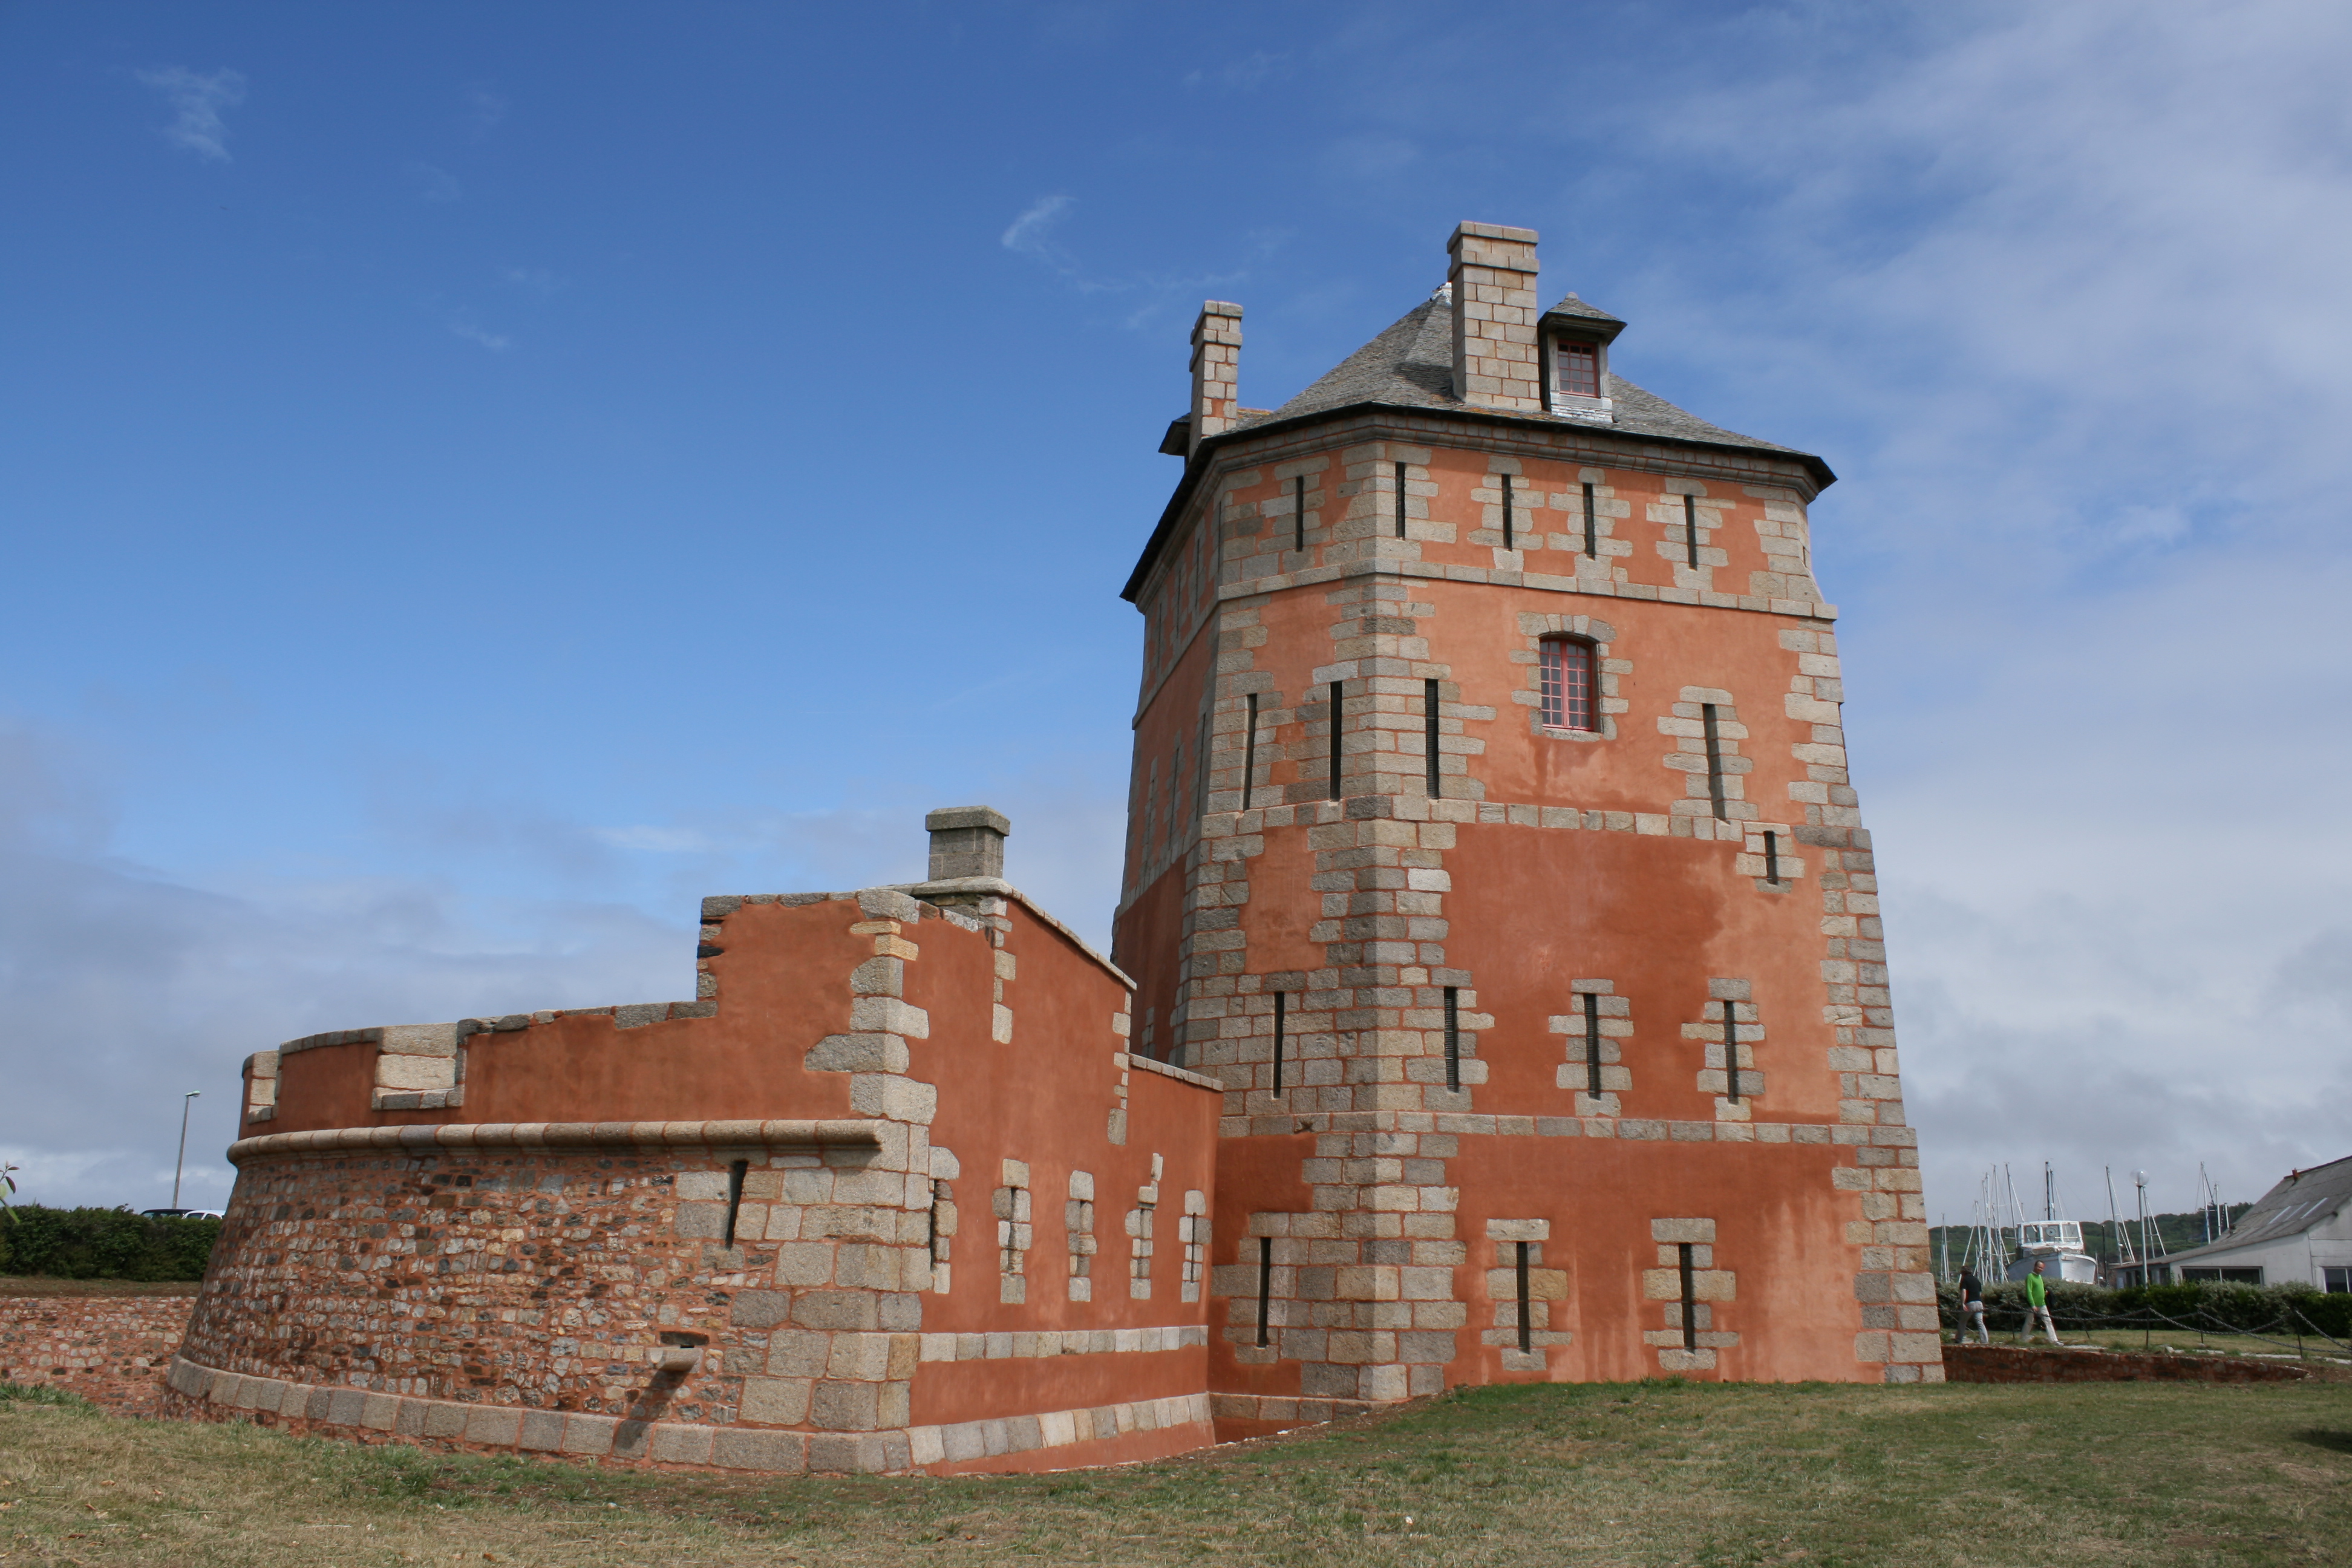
(967,841)
(1498,360)
(1216,370)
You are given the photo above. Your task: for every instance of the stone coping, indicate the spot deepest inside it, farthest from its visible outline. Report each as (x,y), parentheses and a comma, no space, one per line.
(562,1135)
(1182,1075)
(578,1436)
(998,887)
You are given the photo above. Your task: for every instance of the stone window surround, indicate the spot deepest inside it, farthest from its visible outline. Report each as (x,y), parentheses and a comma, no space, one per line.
(1710,1286)
(1615,1016)
(1535,629)
(1545,1288)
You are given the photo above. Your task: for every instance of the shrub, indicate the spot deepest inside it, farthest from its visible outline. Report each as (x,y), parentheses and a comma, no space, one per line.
(103,1243)
(2215,1304)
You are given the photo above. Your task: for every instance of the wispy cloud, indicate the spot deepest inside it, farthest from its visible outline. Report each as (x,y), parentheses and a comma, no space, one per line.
(497,343)
(1032,235)
(433,184)
(657,840)
(1031,232)
(485,111)
(1251,71)
(537,280)
(199,100)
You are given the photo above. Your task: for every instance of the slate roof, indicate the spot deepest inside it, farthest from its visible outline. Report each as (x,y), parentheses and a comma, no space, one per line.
(2293,1206)
(1573,306)
(1411,365)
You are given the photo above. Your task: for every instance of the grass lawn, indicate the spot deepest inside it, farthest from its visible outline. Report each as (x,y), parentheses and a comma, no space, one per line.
(2317,1351)
(1646,1473)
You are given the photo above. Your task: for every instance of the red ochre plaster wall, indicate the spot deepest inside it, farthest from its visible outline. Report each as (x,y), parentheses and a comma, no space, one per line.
(522,1269)
(110,1349)
(916,1182)
(1387,1208)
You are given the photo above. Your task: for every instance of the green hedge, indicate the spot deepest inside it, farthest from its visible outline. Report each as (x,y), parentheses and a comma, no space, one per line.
(2248,1307)
(103,1243)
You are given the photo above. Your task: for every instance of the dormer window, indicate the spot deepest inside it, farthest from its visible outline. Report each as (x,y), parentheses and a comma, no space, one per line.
(1576,368)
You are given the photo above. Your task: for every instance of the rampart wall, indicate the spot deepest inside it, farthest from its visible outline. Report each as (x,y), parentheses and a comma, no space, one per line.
(110,1349)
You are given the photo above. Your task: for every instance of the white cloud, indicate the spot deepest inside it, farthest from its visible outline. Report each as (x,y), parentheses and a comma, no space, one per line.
(433,184)
(2057,289)
(657,840)
(497,343)
(199,100)
(1029,233)
(485,111)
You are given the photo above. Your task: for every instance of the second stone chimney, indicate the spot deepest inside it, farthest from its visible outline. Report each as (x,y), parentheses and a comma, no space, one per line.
(1216,370)
(967,841)
(1497,359)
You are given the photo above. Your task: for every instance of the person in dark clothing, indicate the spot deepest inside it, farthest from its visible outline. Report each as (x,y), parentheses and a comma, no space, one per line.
(1972,1308)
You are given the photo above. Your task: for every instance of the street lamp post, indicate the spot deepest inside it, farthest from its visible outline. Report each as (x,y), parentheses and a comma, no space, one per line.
(186,1104)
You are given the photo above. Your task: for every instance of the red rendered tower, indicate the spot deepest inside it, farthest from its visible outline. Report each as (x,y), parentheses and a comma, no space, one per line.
(1490,838)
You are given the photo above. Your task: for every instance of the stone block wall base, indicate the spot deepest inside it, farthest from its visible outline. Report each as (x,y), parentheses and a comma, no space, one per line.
(1056,1440)
(1125,1448)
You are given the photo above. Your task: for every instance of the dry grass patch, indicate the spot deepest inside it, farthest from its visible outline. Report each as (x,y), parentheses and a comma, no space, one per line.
(1636,1474)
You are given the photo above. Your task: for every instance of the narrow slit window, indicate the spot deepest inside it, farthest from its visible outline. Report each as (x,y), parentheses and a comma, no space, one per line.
(1249,753)
(1590,529)
(1299,513)
(1280,1021)
(1690,530)
(1338,696)
(1453,1040)
(1577,367)
(1567,676)
(1526,1327)
(1714,728)
(1592,1043)
(1429,737)
(1772,857)
(941,1235)
(1400,501)
(1509,532)
(1690,1297)
(1730,1054)
(735,1171)
(1265,1282)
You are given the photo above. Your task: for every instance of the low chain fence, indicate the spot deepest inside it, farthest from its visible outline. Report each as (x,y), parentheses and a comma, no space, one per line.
(2303,1323)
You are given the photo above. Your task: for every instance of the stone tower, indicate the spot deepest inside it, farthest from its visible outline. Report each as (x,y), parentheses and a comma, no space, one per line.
(1490,839)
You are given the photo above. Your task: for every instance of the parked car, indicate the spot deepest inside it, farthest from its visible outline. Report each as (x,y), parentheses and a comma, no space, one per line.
(179,1213)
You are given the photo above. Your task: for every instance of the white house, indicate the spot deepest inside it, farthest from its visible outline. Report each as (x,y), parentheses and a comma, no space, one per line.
(2301,1230)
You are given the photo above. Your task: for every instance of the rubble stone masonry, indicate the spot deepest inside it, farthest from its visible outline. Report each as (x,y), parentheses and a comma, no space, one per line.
(113,1350)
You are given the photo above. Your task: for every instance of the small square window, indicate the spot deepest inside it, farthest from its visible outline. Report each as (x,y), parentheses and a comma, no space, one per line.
(2339,1281)
(1567,674)
(1576,368)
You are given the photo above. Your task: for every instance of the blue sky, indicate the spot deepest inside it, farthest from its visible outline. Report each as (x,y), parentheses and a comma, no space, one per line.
(474,479)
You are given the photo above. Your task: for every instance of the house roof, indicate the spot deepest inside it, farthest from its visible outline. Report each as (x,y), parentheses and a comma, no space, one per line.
(1573,306)
(1411,365)
(2301,1201)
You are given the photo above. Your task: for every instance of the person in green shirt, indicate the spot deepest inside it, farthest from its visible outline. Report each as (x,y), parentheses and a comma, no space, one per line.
(2037,1305)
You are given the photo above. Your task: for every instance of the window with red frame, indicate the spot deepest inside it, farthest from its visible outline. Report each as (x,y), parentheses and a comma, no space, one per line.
(1577,367)
(1568,684)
